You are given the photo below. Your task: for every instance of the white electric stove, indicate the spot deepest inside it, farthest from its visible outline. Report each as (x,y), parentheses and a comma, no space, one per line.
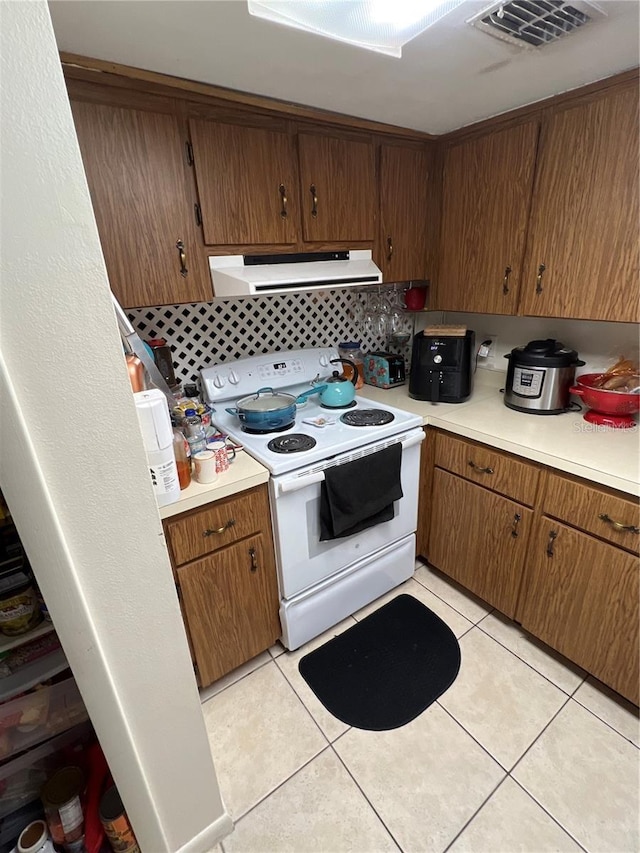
(321,582)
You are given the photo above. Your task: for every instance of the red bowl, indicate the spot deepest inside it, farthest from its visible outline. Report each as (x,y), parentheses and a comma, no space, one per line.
(607,402)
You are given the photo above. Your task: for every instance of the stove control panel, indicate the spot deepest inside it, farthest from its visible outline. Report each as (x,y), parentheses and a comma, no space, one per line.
(223,382)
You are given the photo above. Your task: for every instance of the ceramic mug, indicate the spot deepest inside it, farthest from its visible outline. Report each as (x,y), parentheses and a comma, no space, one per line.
(204,466)
(224,453)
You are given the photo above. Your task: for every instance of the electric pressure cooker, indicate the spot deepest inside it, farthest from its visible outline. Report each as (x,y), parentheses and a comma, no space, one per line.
(539,377)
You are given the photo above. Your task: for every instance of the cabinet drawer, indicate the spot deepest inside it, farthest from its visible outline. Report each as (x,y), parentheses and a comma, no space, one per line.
(596,511)
(488,467)
(219,524)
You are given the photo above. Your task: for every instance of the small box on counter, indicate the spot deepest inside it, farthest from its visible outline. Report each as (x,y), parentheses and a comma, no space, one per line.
(384,369)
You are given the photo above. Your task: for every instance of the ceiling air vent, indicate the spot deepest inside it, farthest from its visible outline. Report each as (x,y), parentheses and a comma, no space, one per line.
(534,23)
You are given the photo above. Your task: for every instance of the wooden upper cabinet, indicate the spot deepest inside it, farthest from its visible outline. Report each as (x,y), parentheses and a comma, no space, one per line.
(134,165)
(338,189)
(584,219)
(486,197)
(404,182)
(247,183)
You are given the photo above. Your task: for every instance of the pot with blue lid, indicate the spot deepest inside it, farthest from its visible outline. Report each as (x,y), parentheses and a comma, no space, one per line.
(540,376)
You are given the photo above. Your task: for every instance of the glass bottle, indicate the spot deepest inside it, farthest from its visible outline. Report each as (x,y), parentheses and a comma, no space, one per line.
(352,352)
(183,457)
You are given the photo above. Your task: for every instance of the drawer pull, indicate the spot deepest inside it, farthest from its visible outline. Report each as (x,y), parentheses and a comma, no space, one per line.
(314,196)
(552,537)
(283,201)
(514,528)
(539,287)
(254,562)
(478,469)
(222,529)
(389,248)
(631,528)
(183,259)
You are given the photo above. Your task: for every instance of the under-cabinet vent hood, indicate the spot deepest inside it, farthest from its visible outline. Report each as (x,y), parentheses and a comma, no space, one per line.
(264,275)
(535,23)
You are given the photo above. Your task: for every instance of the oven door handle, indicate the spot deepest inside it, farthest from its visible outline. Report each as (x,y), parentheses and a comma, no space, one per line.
(300,483)
(413,439)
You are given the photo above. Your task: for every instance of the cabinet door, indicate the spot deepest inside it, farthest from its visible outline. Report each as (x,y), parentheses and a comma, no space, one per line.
(581,597)
(231,603)
(338,189)
(133,161)
(584,220)
(404,176)
(486,197)
(479,539)
(247,184)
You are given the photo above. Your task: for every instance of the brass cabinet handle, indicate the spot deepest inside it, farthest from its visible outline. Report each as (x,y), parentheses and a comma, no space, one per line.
(314,196)
(183,259)
(254,562)
(631,528)
(283,200)
(478,469)
(505,282)
(552,537)
(222,529)
(389,248)
(514,527)
(541,270)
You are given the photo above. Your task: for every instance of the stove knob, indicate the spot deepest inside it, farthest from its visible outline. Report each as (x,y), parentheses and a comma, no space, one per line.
(437,359)
(324,361)
(233,377)
(219,382)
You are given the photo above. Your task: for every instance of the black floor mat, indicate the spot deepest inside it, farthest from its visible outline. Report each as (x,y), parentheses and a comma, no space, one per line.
(387,669)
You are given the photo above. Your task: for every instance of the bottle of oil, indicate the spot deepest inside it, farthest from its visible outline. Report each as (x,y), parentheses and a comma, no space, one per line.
(183,458)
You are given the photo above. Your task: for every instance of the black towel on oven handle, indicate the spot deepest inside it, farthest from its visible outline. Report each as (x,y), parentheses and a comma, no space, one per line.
(360,494)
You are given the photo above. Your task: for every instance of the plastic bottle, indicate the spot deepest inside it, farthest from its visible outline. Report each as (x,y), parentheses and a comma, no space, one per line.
(195,432)
(352,352)
(183,457)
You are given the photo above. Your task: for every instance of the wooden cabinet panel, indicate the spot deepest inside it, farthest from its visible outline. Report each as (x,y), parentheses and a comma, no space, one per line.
(486,198)
(231,601)
(247,183)
(584,219)
(427,454)
(584,506)
(479,539)
(219,524)
(581,597)
(342,171)
(404,191)
(134,167)
(488,467)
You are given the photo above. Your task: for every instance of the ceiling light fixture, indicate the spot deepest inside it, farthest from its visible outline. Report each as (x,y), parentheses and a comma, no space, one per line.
(380,25)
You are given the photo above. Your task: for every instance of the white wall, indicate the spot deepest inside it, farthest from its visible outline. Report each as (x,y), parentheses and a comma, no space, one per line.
(599,344)
(72,466)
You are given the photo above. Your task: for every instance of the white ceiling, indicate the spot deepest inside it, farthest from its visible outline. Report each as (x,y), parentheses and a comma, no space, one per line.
(448,77)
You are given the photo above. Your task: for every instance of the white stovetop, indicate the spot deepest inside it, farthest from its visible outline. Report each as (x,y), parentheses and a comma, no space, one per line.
(567,442)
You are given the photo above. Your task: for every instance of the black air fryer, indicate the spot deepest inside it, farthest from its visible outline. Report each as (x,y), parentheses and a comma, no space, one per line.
(442,367)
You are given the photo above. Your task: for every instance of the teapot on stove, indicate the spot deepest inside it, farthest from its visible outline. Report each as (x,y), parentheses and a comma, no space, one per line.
(340,391)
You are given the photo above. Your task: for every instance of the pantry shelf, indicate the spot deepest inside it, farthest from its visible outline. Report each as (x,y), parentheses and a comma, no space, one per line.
(31,674)
(8,643)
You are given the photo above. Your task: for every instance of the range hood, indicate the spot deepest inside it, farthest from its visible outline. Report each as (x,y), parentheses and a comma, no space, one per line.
(265,275)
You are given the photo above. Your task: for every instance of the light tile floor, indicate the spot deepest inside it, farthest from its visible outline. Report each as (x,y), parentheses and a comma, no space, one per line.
(522,753)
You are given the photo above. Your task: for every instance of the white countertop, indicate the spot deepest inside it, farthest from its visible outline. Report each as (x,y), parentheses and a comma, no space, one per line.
(244,473)
(567,442)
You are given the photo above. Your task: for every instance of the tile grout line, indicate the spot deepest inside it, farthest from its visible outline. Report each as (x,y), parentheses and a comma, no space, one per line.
(237,681)
(280,784)
(453,607)
(473,737)
(530,665)
(367,800)
(295,693)
(475,814)
(593,714)
(548,813)
(537,738)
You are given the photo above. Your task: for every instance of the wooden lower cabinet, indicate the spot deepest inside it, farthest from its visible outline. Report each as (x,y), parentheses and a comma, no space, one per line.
(230,599)
(479,538)
(581,597)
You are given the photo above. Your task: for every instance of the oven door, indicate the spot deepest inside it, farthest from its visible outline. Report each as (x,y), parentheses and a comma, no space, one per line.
(303,560)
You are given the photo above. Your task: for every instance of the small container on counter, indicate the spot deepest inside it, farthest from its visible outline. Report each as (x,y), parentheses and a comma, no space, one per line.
(195,432)
(116,824)
(35,838)
(183,457)
(157,432)
(351,351)
(60,797)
